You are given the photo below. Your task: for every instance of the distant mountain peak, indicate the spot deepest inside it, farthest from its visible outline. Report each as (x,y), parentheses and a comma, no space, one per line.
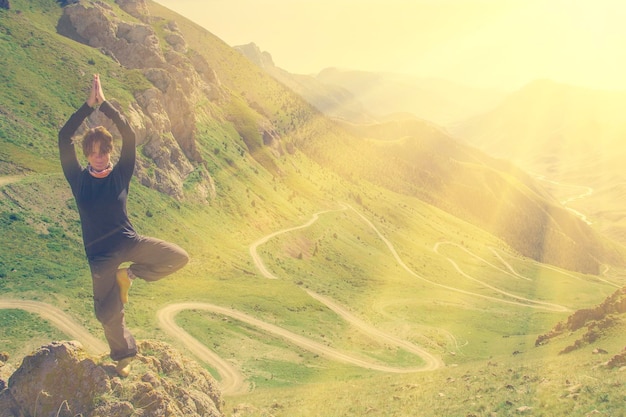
(262,59)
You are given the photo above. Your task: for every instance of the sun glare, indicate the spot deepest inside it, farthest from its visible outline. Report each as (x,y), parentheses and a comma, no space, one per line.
(410,232)
(503,44)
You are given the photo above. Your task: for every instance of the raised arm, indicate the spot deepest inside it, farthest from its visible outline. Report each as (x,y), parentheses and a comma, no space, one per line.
(128,151)
(67,152)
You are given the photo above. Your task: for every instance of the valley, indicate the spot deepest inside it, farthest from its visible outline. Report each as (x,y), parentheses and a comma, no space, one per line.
(233,381)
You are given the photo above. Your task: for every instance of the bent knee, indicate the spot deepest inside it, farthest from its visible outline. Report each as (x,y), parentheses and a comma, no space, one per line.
(182,260)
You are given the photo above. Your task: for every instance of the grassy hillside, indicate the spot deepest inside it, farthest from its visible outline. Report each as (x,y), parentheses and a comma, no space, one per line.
(420,160)
(571,136)
(416,158)
(395,262)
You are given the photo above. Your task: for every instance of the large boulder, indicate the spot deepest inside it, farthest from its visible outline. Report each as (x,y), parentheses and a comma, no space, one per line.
(56,376)
(61,379)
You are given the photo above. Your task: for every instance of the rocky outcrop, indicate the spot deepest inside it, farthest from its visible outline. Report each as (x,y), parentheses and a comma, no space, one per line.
(596,320)
(5,4)
(329,98)
(135,8)
(5,370)
(135,45)
(164,116)
(618,361)
(262,59)
(61,379)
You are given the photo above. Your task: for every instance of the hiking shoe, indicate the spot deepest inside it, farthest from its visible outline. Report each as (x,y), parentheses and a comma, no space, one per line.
(123,366)
(124,282)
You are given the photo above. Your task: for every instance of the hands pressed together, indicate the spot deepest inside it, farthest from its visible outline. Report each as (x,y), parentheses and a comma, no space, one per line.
(96,96)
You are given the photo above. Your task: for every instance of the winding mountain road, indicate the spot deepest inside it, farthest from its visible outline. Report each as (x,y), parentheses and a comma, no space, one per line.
(510,298)
(586,192)
(232,380)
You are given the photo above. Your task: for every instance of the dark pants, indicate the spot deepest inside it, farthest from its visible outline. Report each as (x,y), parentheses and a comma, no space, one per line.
(151,259)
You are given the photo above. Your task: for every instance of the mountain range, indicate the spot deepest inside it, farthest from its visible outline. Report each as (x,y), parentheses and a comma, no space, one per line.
(366,97)
(434,148)
(572,135)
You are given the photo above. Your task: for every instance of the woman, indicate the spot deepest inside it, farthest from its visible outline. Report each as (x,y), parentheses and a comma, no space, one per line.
(101,190)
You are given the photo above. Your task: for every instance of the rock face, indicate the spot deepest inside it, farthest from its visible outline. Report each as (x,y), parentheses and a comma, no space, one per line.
(135,8)
(608,314)
(260,58)
(60,379)
(163,116)
(618,361)
(55,374)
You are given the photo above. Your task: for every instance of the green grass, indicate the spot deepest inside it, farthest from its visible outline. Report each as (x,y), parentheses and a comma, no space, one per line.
(21,332)
(562,385)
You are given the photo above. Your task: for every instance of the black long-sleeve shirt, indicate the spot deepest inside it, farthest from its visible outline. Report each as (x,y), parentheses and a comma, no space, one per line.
(101,201)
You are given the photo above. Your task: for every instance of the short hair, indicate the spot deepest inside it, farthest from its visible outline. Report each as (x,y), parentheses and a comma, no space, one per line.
(97,134)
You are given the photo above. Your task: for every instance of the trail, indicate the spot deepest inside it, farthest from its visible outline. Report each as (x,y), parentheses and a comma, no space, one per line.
(432,362)
(516,300)
(587,191)
(253,248)
(61,320)
(519,300)
(504,262)
(232,380)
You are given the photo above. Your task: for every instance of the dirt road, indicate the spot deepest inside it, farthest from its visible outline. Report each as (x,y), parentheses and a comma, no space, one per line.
(508,298)
(59,319)
(233,381)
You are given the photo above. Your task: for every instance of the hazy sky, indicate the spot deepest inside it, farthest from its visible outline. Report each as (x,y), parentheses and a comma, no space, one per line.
(493,43)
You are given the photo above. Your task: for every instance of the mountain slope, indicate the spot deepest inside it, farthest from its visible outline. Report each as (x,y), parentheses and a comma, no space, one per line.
(560,125)
(431,99)
(490,193)
(183,67)
(567,134)
(334,101)
(367,97)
